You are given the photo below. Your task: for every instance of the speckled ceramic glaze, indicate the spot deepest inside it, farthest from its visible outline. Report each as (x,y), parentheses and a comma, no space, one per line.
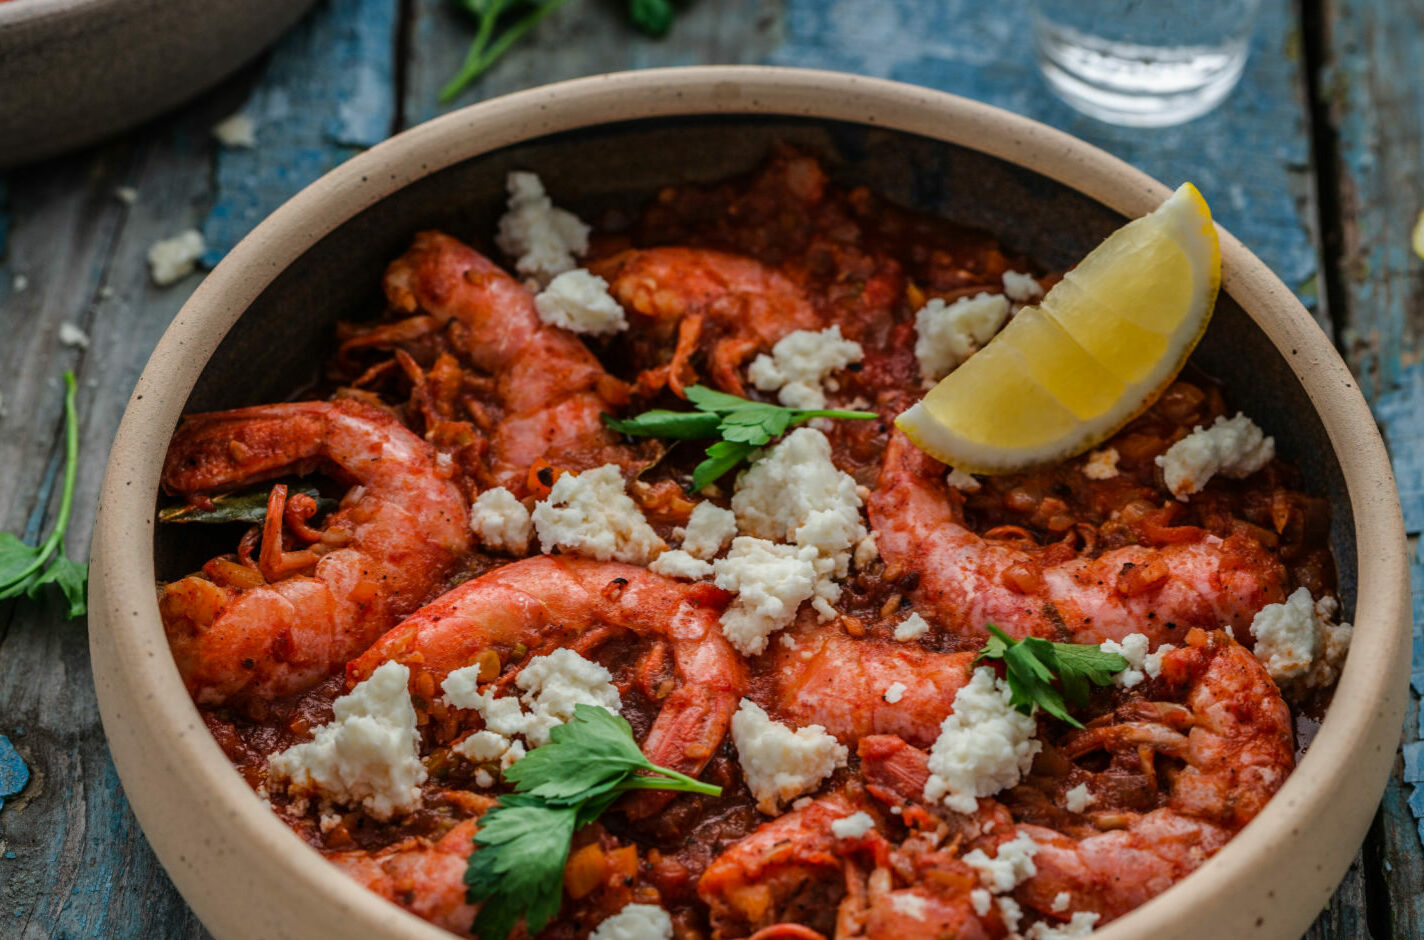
(75,71)
(611,141)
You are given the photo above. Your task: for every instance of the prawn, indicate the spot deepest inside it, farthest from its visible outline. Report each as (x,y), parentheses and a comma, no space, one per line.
(733,304)
(551,388)
(542,603)
(426,878)
(967,581)
(279,624)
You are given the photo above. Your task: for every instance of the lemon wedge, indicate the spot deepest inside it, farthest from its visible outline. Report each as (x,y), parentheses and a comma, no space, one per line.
(1067,373)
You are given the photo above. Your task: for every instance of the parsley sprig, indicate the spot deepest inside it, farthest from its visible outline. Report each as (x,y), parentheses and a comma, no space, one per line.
(522,844)
(742,424)
(23,568)
(1033,663)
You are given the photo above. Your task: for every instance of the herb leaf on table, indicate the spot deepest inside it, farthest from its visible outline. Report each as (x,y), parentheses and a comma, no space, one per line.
(1031,665)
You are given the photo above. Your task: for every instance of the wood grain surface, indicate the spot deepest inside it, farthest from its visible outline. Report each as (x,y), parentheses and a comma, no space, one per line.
(1314,162)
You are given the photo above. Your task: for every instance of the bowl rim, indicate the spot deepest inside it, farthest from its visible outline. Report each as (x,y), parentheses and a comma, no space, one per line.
(130,651)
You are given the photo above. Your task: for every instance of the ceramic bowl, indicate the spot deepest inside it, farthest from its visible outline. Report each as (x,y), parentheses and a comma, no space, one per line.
(611,141)
(75,71)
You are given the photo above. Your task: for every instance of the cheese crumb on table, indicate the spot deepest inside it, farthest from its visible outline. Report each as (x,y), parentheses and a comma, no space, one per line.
(635,922)
(128,195)
(1102,464)
(709,529)
(895,692)
(172,259)
(368,755)
(948,334)
(800,365)
(1296,640)
(911,628)
(1233,447)
(543,240)
(677,563)
(591,514)
(1078,799)
(984,746)
(778,763)
(853,826)
(579,301)
(71,335)
(771,582)
(1022,288)
(500,521)
(237,131)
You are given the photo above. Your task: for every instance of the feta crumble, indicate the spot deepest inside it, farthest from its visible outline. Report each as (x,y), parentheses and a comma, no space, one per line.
(237,131)
(19,283)
(895,692)
(771,581)
(853,826)
(369,754)
(635,922)
(1233,447)
(172,259)
(982,901)
(911,905)
(1081,925)
(984,746)
(579,301)
(800,365)
(911,628)
(1022,288)
(965,482)
(677,563)
(1061,900)
(543,240)
(591,514)
(71,335)
(1140,663)
(1010,867)
(709,529)
(866,552)
(778,763)
(553,685)
(1296,640)
(500,521)
(1078,799)
(948,334)
(1102,464)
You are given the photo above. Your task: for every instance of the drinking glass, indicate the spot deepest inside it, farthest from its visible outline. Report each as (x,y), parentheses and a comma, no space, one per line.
(1143,63)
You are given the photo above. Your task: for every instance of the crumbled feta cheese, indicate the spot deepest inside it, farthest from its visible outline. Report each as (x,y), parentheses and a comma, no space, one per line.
(866,551)
(895,692)
(1233,447)
(911,628)
(635,922)
(1061,900)
(984,745)
(1010,867)
(1011,913)
(128,195)
(982,901)
(484,779)
(1081,925)
(1022,288)
(800,363)
(71,335)
(948,334)
(779,763)
(552,685)
(1133,648)
(19,283)
(1078,799)
(1296,639)
(369,754)
(853,826)
(543,240)
(329,821)
(794,493)
(236,130)
(172,259)
(1102,464)
(589,513)
(911,905)
(965,482)
(500,521)
(788,640)
(709,529)
(482,746)
(579,301)
(677,563)
(771,581)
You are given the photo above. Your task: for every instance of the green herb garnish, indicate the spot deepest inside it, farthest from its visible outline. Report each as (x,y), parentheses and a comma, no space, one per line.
(522,844)
(1033,663)
(23,567)
(248,507)
(743,425)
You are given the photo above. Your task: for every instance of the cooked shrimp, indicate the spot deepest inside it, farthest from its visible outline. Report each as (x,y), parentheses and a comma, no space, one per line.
(547,602)
(730,304)
(426,878)
(283,623)
(841,683)
(551,388)
(969,581)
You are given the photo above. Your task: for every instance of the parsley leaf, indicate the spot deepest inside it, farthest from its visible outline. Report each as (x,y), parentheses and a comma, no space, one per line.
(486,49)
(23,568)
(742,424)
(522,844)
(1033,663)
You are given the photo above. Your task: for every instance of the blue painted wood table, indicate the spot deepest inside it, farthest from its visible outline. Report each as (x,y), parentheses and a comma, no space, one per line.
(1316,162)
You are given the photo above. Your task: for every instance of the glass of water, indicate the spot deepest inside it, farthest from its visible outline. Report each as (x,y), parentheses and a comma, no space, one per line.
(1143,63)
